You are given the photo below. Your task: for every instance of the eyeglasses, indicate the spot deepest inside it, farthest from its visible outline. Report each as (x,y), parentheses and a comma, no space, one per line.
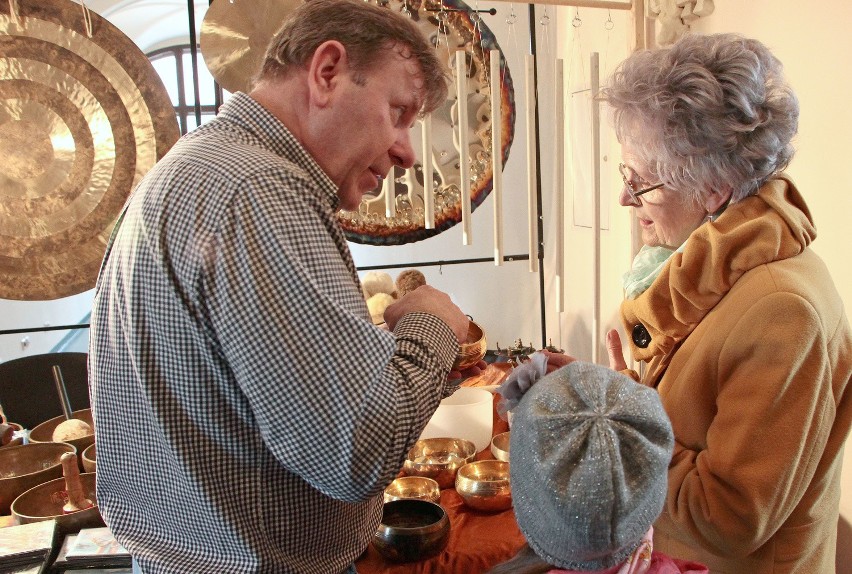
(627,176)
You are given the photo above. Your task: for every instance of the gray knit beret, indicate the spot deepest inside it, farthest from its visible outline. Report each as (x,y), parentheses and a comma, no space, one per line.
(590,450)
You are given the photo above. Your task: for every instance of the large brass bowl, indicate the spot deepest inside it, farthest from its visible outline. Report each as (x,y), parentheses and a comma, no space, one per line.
(45,502)
(411,530)
(473,349)
(25,466)
(438,459)
(43,432)
(484,485)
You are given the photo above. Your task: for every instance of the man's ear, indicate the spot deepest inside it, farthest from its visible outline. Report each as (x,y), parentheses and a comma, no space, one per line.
(325,69)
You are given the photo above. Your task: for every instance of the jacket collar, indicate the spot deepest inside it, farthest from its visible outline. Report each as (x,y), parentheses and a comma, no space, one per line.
(772,225)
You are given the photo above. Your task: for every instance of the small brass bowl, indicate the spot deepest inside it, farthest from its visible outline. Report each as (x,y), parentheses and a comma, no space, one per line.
(499,446)
(484,485)
(473,349)
(89,455)
(412,530)
(406,487)
(27,465)
(439,459)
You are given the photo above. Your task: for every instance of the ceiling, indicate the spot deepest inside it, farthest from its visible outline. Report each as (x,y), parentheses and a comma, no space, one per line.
(152,23)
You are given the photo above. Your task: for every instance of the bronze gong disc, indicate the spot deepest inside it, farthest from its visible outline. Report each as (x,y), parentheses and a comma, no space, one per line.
(234,36)
(81,121)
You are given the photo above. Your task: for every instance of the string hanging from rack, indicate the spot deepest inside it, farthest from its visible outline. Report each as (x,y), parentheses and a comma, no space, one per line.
(544,21)
(608,26)
(13,12)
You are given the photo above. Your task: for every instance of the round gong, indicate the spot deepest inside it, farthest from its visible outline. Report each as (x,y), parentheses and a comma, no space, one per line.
(234,36)
(81,121)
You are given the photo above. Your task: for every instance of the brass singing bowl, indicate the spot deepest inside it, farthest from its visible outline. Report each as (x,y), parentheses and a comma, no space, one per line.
(89,458)
(411,530)
(25,466)
(484,485)
(500,446)
(43,432)
(45,502)
(419,487)
(438,459)
(473,349)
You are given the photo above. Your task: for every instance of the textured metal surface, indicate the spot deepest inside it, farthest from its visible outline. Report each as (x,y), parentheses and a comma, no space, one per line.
(81,121)
(234,36)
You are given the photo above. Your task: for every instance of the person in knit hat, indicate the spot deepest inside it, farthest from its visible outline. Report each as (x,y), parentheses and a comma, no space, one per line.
(589,451)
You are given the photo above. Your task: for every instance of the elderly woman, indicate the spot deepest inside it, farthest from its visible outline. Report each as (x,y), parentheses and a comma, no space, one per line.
(737,320)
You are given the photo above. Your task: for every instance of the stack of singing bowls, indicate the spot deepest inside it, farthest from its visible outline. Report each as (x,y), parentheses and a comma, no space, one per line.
(25,466)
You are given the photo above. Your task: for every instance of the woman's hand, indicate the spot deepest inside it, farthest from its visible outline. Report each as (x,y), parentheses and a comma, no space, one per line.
(615,351)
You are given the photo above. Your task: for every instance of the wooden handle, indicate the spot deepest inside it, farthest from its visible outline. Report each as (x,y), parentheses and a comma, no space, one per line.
(73,485)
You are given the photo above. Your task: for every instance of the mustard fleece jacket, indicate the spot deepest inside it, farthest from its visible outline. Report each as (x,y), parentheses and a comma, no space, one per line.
(748,344)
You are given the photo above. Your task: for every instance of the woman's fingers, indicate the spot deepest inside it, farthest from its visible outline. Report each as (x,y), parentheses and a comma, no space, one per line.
(615,351)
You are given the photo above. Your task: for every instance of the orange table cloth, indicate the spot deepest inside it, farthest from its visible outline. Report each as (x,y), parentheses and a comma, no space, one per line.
(478,540)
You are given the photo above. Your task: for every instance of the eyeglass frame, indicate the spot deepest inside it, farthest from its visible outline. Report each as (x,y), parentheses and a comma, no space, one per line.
(634,195)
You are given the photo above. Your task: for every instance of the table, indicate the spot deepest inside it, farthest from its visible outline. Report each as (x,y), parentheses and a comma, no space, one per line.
(478,540)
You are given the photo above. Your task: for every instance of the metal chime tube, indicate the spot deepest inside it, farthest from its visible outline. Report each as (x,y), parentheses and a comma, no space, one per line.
(497,153)
(464,150)
(428,173)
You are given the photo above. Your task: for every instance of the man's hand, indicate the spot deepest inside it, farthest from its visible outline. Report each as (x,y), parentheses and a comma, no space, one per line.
(556,360)
(469,372)
(427,299)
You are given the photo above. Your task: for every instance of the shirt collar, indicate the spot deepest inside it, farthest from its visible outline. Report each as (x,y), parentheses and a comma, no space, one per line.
(245,111)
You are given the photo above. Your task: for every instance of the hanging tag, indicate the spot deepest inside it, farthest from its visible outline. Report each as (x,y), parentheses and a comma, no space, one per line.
(87,18)
(13,12)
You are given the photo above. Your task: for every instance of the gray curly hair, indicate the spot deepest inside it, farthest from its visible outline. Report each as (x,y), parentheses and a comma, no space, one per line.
(711,112)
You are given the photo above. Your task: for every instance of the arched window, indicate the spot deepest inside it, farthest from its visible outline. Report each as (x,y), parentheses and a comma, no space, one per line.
(174,65)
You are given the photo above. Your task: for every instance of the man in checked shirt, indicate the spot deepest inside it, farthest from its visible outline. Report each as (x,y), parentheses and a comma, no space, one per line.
(248,414)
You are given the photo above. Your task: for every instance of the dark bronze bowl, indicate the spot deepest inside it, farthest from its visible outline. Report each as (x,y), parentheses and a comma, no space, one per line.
(412,530)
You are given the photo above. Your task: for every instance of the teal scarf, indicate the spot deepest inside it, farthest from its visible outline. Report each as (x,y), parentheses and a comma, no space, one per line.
(647,264)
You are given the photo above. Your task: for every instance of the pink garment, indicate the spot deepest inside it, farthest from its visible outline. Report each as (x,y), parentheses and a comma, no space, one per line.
(645,561)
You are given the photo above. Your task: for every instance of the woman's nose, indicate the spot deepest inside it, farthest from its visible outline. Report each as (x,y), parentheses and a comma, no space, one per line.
(625,199)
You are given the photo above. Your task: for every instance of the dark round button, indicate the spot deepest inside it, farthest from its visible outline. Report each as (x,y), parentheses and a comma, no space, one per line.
(641,337)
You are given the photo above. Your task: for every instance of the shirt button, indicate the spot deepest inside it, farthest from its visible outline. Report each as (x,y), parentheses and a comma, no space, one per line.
(641,337)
